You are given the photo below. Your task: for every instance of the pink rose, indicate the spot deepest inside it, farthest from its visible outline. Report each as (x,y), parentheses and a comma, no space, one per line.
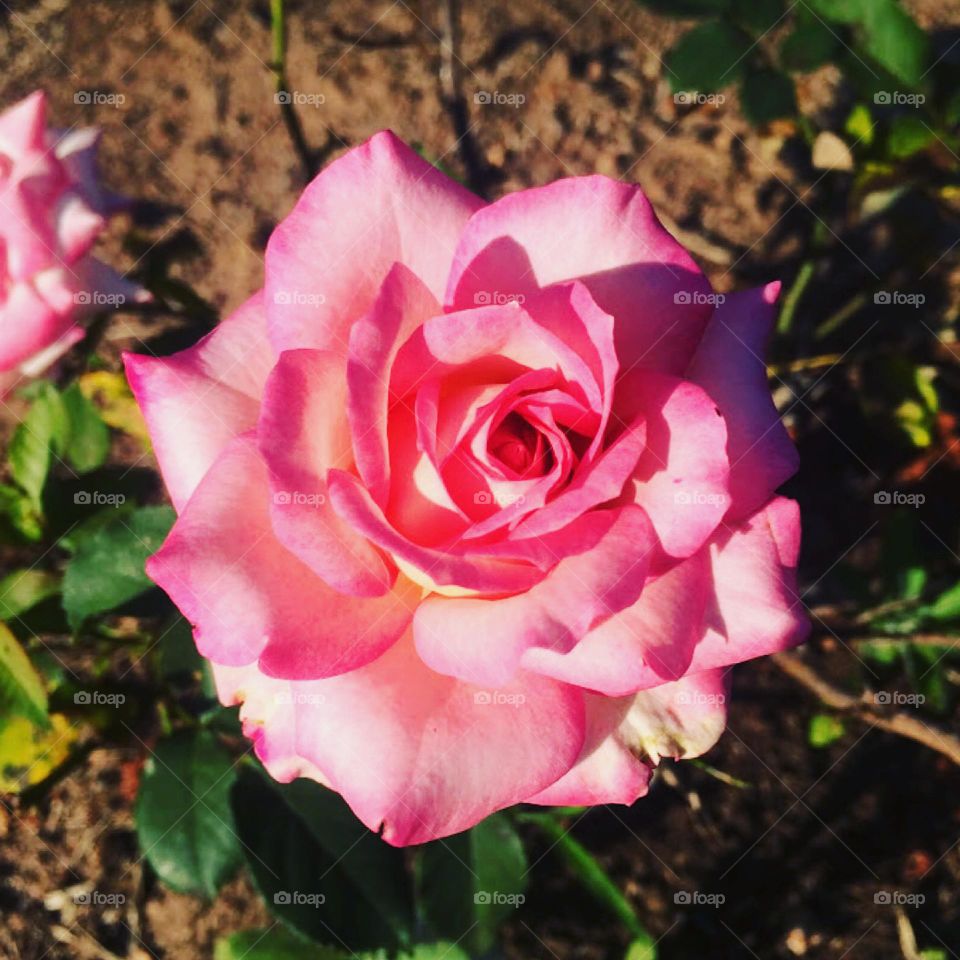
(52,209)
(476,502)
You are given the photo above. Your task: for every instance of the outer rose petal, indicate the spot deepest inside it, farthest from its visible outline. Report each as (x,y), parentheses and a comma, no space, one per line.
(682,479)
(269,719)
(302,433)
(729,365)
(482,640)
(680,720)
(684,624)
(605,233)
(642,646)
(377,205)
(198,400)
(607,771)
(438,754)
(628,736)
(249,598)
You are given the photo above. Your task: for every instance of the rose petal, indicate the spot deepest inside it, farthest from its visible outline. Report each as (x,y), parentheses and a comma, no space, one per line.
(250,599)
(482,640)
(605,233)
(222,376)
(729,365)
(303,433)
(377,205)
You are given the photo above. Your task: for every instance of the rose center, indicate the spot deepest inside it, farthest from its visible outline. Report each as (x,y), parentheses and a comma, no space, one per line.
(520,447)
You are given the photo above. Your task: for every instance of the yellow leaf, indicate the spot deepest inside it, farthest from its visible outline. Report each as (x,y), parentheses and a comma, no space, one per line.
(111,394)
(29,754)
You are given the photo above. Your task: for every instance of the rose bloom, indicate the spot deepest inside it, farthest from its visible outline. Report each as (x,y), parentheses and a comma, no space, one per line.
(476,501)
(52,209)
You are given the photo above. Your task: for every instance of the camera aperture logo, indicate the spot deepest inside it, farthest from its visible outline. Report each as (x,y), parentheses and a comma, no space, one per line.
(897,898)
(498,99)
(299,98)
(698,297)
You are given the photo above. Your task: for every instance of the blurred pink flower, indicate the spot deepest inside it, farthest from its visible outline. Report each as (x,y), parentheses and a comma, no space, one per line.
(476,502)
(52,209)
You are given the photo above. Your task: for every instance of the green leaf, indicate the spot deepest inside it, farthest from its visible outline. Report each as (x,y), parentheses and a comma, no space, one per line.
(811,44)
(318,868)
(767,95)
(893,40)
(108,566)
(824,729)
(30,752)
(886,654)
(473,881)
(946,606)
(642,949)
(908,135)
(859,124)
(18,510)
(88,439)
(840,11)
(37,438)
(21,689)
(273,943)
(758,16)
(708,57)
(183,816)
(23,589)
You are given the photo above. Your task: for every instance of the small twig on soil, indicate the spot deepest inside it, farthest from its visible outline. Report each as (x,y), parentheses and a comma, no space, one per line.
(278,64)
(793,295)
(899,723)
(453,99)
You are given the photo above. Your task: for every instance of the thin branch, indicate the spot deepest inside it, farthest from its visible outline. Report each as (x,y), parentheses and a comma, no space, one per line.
(899,723)
(284,97)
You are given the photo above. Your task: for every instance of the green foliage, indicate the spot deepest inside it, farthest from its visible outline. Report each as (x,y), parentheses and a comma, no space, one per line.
(107,568)
(473,882)
(88,439)
(767,95)
(824,730)
(707,58)
(183,816)
(21,590)
(318,868)
(21,689)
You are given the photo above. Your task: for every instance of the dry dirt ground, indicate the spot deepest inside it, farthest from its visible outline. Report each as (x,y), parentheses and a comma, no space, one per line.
(192,131)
